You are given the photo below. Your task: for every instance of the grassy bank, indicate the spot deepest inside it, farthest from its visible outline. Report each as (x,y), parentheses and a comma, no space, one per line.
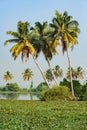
(37,115)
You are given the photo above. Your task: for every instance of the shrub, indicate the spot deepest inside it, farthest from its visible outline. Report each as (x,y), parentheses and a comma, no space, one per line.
(55,93)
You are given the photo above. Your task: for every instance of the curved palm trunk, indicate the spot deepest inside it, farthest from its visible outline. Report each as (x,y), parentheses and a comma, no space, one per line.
(41,72)
(72,89)
(52,73)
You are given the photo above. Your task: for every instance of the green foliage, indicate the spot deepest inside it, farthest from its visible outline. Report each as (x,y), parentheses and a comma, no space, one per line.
(22,39)
(84,92)
(27,74)
(77,73)
(36,115)
(65,82)
(56,93)
(49,75)
(79,89)
(85,96)
(41,87)
(11,87)
(76,84)
(8,76)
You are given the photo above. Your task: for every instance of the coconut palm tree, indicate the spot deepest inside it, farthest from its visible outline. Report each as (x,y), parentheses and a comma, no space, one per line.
(27,75)
(49,75)
(22,40)
(77,73)
(73,74)
(58,71)
(80,73)
(8,76)
(44,43)
(23,45)
(66,31)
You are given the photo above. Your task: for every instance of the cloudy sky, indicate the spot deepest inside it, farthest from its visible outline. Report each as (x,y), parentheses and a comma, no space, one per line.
(12,11)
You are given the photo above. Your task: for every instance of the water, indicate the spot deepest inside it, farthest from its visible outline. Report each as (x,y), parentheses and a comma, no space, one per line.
(17,96)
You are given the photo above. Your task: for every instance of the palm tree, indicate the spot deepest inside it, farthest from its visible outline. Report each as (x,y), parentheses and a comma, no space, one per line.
(22,40)
(44,43)
(77,73)
(58,71)
(8,76)
(23,45)
(49,75)
(27,75)
(80,73)
(66,31)
(73,74)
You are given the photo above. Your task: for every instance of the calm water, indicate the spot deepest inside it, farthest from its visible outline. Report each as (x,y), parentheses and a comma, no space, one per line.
(17,96)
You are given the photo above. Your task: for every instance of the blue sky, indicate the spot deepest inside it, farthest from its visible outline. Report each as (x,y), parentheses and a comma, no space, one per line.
(36,10)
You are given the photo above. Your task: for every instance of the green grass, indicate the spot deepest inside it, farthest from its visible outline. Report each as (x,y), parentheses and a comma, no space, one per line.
(37,115)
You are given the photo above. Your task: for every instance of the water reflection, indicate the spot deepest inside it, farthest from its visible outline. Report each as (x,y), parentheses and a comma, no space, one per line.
(18,96)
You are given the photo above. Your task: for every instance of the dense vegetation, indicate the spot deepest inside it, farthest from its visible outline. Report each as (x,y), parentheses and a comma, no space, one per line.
(79,89)
(10,87)
(56,93)
(63,91)
(13,88)
(37,115)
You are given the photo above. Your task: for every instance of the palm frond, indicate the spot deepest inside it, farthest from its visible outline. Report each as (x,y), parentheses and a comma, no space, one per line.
(38,27)
(18,50)
(71,38)
(11,41)
(14,34)
(31,49)
(44,24)
(13,49)
(73,23)
(23,28)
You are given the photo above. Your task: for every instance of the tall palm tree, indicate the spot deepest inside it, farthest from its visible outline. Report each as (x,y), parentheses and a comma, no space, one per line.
(66,31)
(27,75)
(8,76)
(23,45)
(44,43)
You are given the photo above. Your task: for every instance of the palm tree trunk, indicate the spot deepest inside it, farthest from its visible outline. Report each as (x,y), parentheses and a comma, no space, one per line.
(52,73)
(41,72)
(72,89)
(31,86)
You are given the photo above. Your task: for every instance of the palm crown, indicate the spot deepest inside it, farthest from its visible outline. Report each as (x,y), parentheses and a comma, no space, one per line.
(28,74)
(65,29)
(43,42)
(22,39)
(8,76)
